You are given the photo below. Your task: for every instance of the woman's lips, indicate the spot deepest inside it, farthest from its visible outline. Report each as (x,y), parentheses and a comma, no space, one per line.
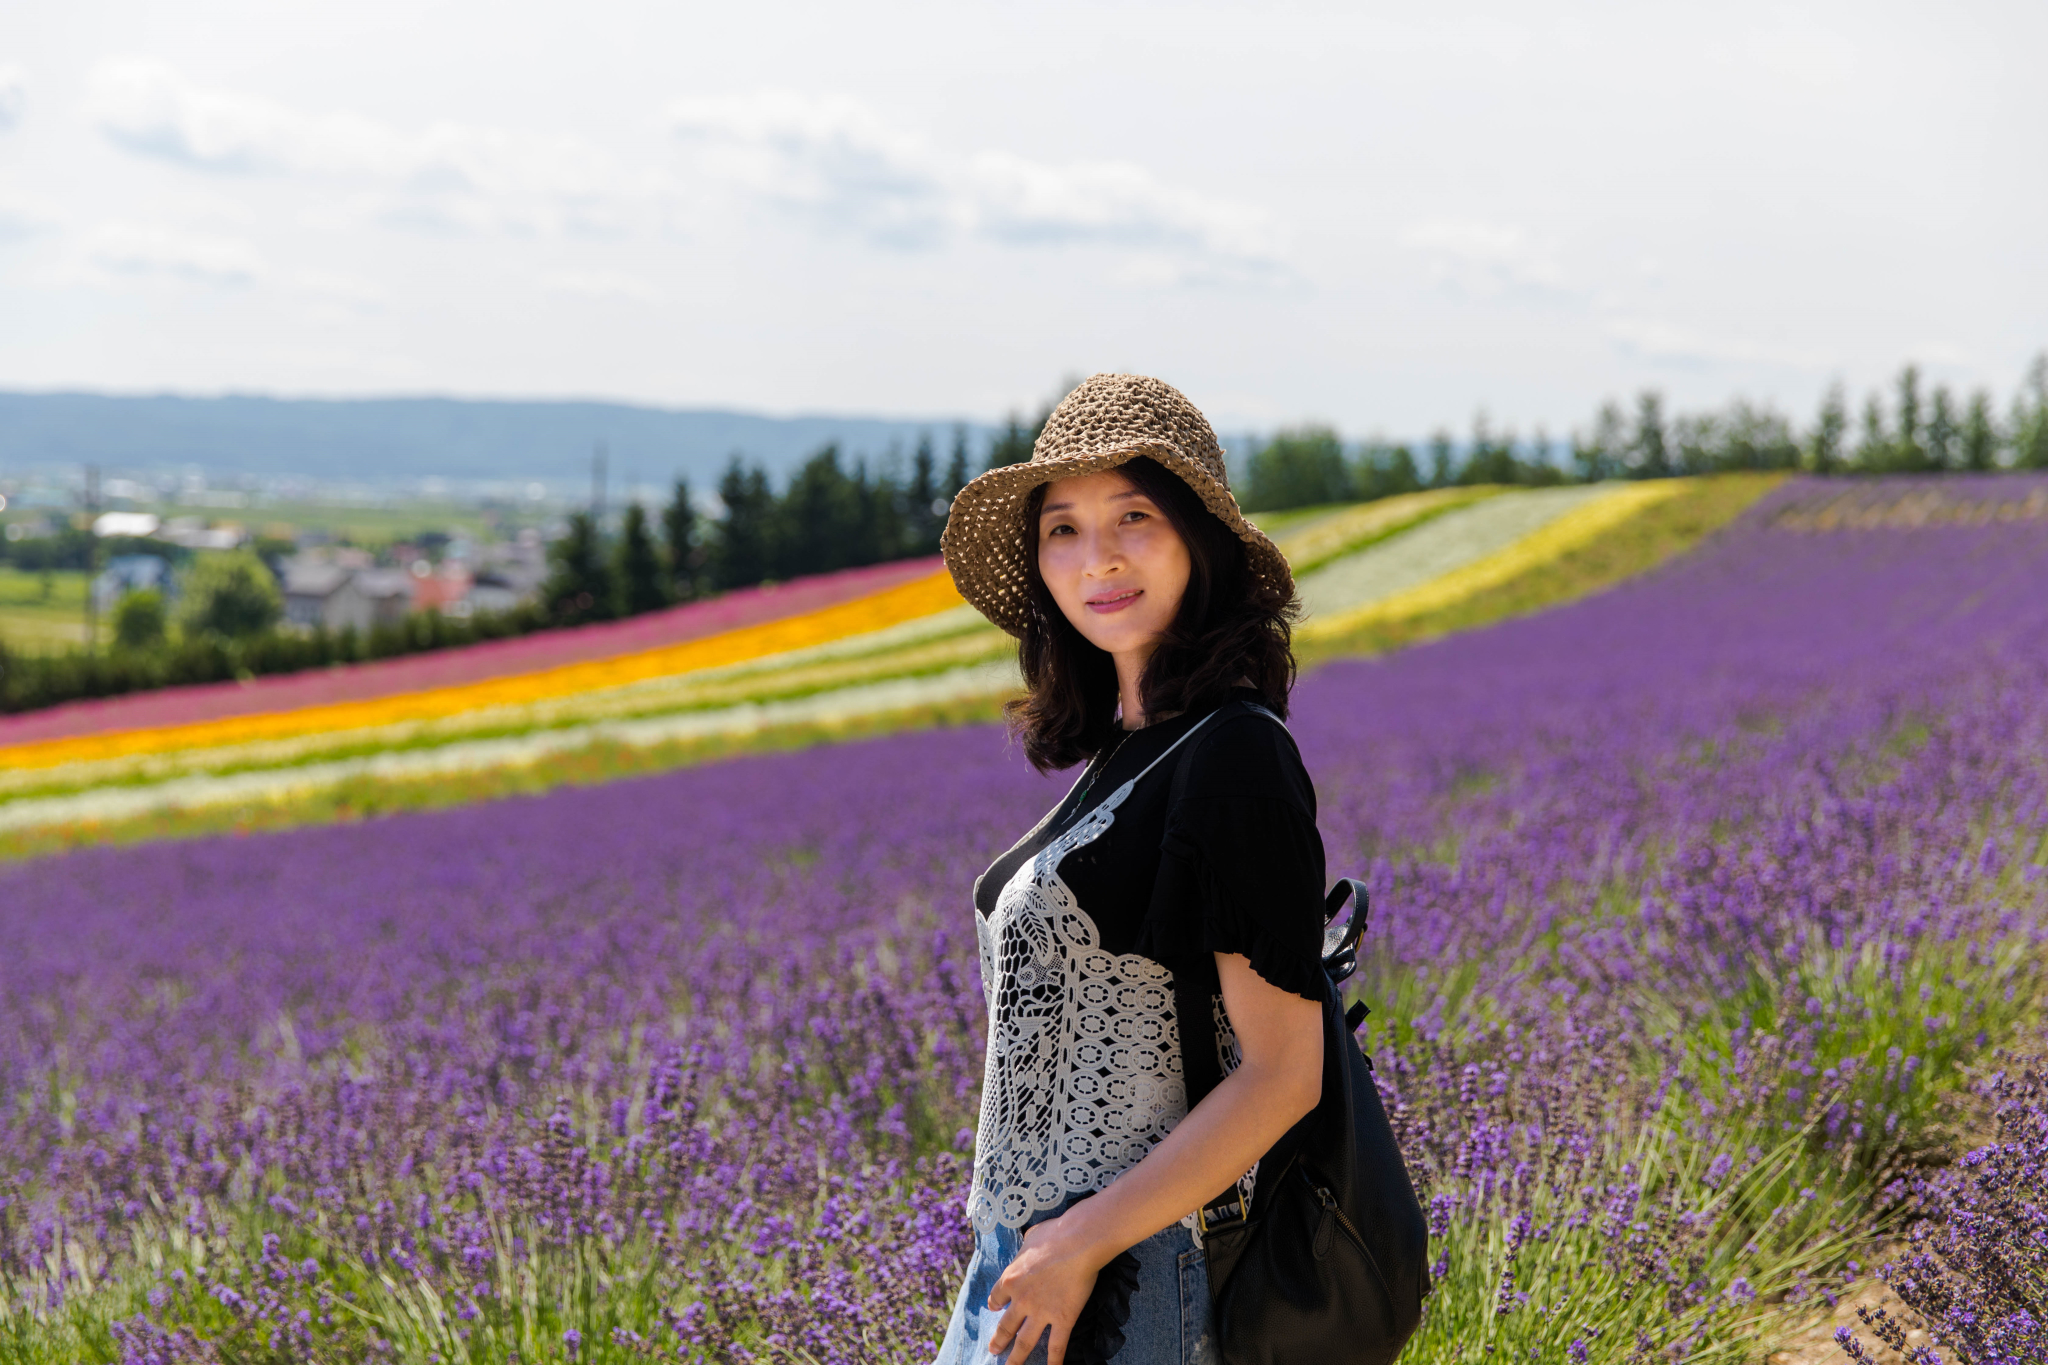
(1116,601)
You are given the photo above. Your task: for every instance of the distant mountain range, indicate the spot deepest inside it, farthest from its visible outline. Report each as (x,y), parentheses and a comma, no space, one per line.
(399,440)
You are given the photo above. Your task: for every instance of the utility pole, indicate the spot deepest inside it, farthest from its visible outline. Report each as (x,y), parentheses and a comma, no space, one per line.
(92,556)
(597,462)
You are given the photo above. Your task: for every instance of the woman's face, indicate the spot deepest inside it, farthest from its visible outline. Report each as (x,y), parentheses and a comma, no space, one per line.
(1111,560)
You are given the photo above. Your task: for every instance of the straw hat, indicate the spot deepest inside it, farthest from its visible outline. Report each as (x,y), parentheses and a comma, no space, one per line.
(1110,418)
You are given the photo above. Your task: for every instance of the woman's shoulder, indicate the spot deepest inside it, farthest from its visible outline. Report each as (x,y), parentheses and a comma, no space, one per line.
(1245,754)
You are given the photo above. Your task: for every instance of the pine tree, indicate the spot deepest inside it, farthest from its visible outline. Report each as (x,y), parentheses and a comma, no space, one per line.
(1941,431)
(925,512)
(1598,457)
(742,552)
(1488,461)
(1874,451)
(579,588)
(1385,471)
(1755,438)
(957,468)
(638,571)
(1298,469)
(878,533)
(1909,453)
(1824,447)
(1649,456)
(820,521)
(683,557)
(1012,445)
(2030,418)
(1442,471)
(1980,435)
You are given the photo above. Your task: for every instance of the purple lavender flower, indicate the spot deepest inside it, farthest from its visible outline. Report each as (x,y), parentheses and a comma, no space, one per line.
(1689,899)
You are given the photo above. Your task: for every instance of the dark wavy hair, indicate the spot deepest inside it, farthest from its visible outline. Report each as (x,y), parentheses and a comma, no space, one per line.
(1230,629)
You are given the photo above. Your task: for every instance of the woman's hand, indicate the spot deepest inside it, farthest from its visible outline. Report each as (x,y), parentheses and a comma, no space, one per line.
(1280,1036)
(1046,1286)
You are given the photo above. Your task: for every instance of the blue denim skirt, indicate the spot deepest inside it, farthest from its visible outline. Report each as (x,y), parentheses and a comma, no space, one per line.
(1170,1322)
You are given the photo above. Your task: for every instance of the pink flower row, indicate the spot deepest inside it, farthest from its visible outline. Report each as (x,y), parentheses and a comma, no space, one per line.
(474,663)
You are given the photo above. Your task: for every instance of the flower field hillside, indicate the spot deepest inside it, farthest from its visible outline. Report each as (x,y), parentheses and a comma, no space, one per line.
(868,649)
(185,706)
(1701,908)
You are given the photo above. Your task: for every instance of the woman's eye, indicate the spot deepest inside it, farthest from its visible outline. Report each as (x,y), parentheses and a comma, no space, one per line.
(1134,512)
(1061,528)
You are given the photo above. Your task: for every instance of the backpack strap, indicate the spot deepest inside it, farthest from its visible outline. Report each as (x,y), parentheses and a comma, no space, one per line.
(1194,990)
(1193,997)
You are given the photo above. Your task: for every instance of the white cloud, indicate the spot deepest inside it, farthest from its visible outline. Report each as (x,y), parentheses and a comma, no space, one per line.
(599,284)
(447,177)
(13,96)
(22,218)
(151,110)
(118,253)
(832,160)
(1485,260)
(126,249)
(1673,345)
(1940,352)
(840,163)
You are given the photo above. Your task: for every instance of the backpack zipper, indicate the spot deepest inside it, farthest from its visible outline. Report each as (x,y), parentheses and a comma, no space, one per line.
(1329,1202)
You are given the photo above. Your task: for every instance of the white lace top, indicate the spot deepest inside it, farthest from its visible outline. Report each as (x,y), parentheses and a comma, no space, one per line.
(1083,1072)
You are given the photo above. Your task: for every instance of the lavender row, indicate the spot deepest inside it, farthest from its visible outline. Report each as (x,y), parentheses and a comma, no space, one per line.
(1691,901)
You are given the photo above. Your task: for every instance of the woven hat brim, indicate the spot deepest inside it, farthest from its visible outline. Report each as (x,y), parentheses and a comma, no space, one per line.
(986,540)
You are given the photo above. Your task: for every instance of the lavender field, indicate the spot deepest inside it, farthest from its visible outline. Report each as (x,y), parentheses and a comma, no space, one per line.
(1708,916)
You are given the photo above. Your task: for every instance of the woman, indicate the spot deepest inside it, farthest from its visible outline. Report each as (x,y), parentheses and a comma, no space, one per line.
(1183,866)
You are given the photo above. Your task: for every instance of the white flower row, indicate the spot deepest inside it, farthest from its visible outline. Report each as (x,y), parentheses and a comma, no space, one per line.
(1439,546)
(280,784)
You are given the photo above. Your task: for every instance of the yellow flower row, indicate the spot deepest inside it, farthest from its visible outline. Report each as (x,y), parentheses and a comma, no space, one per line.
(1575,529)
(1334,537)
(897,652)
(878,611)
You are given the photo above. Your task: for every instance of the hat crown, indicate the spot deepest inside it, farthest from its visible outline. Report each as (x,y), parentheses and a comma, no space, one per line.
(1113,412)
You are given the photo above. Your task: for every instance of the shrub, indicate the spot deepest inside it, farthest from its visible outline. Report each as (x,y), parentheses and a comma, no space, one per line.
(230,595)
(139,621)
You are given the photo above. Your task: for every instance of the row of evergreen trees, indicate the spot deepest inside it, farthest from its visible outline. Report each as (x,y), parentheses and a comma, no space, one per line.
(1918,431)
(827,518)
(832,517)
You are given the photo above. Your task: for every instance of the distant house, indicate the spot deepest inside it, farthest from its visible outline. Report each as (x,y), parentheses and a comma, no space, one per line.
(318,595)
(495,591)
(130,573)
(445,589)
(506,576)
(389,593)
(194,534)
(321,594)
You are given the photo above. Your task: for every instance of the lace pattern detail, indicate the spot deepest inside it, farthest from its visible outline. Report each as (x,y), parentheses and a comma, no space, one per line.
(1083,1071)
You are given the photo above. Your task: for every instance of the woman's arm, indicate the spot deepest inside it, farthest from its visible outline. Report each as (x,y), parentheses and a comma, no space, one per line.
(1280,1036)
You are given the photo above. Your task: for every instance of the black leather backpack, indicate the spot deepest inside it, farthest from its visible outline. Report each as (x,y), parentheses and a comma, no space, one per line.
(1330,1260)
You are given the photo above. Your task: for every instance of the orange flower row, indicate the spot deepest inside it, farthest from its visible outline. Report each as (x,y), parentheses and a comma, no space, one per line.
(908,602)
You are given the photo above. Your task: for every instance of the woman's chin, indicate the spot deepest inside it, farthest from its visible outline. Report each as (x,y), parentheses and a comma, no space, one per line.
(1114,636)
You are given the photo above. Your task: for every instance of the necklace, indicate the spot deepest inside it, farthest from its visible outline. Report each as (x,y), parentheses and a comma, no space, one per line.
(1097,768)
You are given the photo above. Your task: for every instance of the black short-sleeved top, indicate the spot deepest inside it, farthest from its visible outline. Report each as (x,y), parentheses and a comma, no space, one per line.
(1234,866)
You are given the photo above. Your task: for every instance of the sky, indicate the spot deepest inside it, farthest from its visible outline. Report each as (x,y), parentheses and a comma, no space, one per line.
(1385,217)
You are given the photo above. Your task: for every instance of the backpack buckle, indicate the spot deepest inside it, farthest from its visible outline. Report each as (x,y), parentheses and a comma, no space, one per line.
(1225,1214)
